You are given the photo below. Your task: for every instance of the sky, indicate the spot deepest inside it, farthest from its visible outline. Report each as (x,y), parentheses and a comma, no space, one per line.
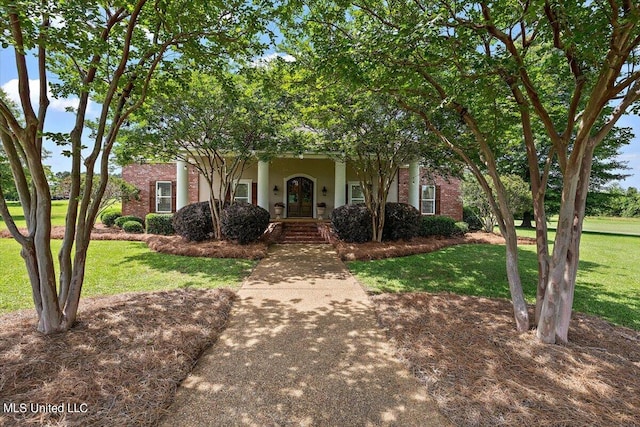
(58,120)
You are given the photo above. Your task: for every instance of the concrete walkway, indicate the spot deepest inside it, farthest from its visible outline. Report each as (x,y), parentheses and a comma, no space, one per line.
(302,349)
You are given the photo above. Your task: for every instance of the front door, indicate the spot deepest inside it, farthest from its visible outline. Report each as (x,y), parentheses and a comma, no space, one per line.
(299,197)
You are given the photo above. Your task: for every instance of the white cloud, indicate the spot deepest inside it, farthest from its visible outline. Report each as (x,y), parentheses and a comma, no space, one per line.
(56,104)
(263,60)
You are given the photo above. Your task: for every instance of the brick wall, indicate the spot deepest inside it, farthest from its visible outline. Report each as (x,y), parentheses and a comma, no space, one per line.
(144,177)
(448,193)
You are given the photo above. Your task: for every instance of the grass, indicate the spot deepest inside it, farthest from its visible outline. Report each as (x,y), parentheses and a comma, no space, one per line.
(115,267)
(605,224)
(58,213)
(608,283)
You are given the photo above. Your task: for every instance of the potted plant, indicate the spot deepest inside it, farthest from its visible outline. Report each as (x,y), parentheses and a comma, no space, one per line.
(278,207)
(321,208)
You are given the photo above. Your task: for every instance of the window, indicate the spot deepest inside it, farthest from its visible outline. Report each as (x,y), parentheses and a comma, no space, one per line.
(428,200)
(163,196)
(355,193)
(243,191)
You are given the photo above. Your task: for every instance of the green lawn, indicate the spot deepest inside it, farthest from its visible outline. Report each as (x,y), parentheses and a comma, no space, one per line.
(608,283)
(118,266)
(604,224)
(58,213)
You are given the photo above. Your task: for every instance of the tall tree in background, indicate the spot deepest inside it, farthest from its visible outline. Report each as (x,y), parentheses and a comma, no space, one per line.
(104,52)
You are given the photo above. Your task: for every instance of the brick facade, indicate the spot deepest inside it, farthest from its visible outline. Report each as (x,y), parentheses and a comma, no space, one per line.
(448,192)
(144,178)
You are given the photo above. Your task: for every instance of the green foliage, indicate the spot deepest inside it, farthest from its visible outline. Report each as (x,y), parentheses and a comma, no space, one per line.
(616,202)
(471,218)
(132,227)
(109,217)
(352,223)
(437,225)
(119,222)
(462,228)
(516,190)
(244,222)
(193,222)
(159,224)
(401,222)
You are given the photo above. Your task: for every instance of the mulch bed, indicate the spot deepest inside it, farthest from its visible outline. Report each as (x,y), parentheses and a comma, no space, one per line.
(121,363)
(481,372)
(418,245)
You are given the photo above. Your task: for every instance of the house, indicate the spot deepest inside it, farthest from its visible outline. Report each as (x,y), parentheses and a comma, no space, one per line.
(300,182)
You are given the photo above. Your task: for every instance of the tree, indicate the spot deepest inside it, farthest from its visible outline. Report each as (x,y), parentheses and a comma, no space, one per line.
(404,50)
(104,52)
(518,197)
(217,124)
(374,134)
(568,67)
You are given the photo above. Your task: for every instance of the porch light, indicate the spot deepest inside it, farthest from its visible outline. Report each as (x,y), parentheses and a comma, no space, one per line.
(324,190)
(275,190)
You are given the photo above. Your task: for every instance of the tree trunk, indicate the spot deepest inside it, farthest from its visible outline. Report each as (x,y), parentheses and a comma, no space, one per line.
(555,313)
(527,218)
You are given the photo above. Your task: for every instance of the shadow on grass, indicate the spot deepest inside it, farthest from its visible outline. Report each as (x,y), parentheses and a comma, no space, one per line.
(217,269)
(480,270)
(622,309)
(464,269)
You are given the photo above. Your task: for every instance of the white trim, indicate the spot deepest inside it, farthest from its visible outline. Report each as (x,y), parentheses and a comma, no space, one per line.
(249,184)
(423,200)
(170,196)
(350,185)
(285,190)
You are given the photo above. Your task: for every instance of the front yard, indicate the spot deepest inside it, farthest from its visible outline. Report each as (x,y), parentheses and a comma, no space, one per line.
(115,267)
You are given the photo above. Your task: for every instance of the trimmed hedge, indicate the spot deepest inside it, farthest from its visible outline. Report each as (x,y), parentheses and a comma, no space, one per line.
(244,222)
(438,226)
(159,224)
(401,222)
(132,227)
(193,222)
(352,223)
(121,220)
(108,218)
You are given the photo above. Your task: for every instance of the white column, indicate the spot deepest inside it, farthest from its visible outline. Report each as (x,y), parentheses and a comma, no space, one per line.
(414,184)
(263,184)
(340,183)
(182,184)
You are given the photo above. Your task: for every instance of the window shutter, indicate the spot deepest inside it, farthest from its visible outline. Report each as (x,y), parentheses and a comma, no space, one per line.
(152,196)
(174,186)
(437,200)
(254,193)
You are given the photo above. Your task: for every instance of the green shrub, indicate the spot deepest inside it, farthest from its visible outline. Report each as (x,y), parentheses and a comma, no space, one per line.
(193,222)
(108,218)
(132,227)
(437,226)
(401,222)
(159,224)
(121,220)
(244,222)
(470,216)
(352,223)
(462,228)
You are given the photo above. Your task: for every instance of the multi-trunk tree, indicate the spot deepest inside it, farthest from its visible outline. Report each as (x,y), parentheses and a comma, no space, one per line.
(105,53)
(473,70)
(219,125)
